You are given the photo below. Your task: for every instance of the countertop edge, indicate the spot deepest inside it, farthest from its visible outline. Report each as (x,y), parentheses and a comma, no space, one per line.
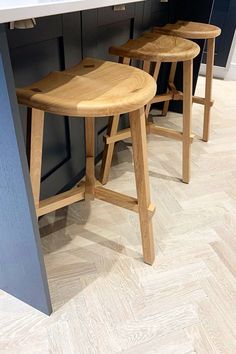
(21,13)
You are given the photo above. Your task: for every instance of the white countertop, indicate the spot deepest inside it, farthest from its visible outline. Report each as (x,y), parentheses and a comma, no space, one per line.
(12,10)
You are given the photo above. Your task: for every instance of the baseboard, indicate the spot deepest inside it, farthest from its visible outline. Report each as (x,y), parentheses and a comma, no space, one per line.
(218,71)
(228,74)
(231,73)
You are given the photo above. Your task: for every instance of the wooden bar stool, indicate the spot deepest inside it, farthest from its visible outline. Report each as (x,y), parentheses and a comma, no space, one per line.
(157,48)
(94,88)
(196,30)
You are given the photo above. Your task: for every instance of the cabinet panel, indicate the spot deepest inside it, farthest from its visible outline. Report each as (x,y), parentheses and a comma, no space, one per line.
(19,38)
(110,14)
(51,45)
(224,16)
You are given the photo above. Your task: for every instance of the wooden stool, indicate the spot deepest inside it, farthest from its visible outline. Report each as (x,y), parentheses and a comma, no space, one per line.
(94,88)
(157,48)
(195,30)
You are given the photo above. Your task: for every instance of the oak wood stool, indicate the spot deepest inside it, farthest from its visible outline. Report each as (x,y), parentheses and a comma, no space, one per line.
(94,88)
(196,30)
(157,48)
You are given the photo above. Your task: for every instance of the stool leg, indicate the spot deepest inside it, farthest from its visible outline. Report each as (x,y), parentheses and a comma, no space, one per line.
(187,118)
(138,133)
(146,66)
(90,170)
(111,130)
(124,60)
(155,76)
(109,149)
(208,90)
(36,149)
(170,81)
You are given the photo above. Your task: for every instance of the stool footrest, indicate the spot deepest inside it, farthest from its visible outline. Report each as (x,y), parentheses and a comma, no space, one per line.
(176,94)
(202,100)
(152,128)
(166,132)
(162,98)
(77,194)
(121,200)
(61,200)
(121,135)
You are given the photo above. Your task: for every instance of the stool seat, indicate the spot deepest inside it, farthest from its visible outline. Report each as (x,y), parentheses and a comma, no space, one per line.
(197,30)
(190,30)
(158,47)
(93,88)
(152,49)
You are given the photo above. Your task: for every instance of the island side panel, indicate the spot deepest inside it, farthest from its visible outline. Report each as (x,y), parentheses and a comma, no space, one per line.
(22,270)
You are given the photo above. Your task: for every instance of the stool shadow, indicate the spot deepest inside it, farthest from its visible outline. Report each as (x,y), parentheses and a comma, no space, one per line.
(121,146)
(55,240)
(165,177)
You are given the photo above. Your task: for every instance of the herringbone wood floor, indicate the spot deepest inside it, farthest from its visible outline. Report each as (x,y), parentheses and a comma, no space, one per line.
(105,299)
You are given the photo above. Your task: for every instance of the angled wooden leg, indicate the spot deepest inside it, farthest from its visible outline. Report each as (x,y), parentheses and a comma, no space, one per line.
(90,170)
(146,66)
(138,132)
(187,118)
(208,90)
(155,76)
(170,81)
(109,149)
(36,151)
(111,131)
(124,60)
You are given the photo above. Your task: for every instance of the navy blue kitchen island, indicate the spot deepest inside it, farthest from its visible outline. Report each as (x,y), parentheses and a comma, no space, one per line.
(65,32)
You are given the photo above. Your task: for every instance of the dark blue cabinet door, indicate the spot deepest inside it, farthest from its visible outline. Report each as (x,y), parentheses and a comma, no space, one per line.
(224,16)
(54,44)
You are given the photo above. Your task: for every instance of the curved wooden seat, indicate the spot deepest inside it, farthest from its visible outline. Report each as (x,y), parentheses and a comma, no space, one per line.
(93,88)
(158,48)
(190,30)
(197,30)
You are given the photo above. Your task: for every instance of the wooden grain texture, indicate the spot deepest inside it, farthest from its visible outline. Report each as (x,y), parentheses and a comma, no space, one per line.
(166,132)
(138,133)
(36,152)
(61,200)
(196,30)
(158,48)
(56,95)
(109,148)
(187,119)
(105,299)
(190,30)
(111,131)
(155,75)
(208,89)
(170,80)
(92,88)
(90,152)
